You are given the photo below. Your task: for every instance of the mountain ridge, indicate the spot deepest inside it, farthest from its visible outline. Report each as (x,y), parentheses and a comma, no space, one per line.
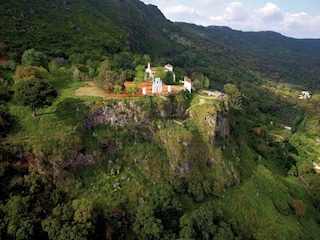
(95,29)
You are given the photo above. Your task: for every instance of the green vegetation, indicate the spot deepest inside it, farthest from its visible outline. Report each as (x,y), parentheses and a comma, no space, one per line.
(34,93)
(177,166)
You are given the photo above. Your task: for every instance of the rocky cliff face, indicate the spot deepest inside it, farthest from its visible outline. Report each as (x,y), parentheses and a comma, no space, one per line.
(187,143)
(119,114)
(223,126)
(183,146)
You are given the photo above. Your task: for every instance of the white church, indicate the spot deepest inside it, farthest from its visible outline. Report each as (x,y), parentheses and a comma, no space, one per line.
(157,82)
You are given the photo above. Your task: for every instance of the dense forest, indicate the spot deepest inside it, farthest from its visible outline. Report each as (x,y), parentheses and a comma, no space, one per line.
(182,165)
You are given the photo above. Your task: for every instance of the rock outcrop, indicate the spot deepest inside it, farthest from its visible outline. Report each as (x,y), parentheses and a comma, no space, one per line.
(117,115)
(223,126)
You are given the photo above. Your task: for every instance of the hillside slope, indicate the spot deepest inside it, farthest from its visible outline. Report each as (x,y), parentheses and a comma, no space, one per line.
(228,55)
(90,27)
(100,28)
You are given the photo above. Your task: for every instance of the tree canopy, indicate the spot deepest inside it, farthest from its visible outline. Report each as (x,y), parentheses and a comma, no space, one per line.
(34,93)
(234,93)
(71,221)
(28,72)
(32,57)
(108,79)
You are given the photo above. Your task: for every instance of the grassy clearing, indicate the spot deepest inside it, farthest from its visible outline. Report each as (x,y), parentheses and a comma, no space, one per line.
(52,122)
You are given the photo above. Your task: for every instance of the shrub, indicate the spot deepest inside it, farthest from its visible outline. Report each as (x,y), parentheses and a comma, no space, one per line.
(299,207)
(282,206)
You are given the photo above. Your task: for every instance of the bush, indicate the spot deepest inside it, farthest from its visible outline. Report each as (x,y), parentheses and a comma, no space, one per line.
(282,206)
(24,73)
(299,207)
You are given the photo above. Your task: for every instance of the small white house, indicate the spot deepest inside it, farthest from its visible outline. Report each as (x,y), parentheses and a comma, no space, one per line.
(187,84)
(305,95)
(287,127)
(316,166)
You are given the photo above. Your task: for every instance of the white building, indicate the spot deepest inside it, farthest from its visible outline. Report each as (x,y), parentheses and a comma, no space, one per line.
(151,71)
(305,95)
(187,84)
(157,85)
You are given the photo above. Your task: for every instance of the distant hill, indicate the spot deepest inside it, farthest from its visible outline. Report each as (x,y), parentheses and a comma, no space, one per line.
(95,28)
(240,55)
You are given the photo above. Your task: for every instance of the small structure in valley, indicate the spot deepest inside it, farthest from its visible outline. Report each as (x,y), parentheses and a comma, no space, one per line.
(316,166)
(305,95)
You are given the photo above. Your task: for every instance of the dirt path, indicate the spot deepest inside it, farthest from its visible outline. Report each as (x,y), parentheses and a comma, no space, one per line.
(3,61)
(91,89)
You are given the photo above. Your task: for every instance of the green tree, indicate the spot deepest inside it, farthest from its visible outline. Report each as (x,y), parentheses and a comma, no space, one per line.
(34,180)
(168,78)
(299,207)
(16,219)
(160,72)
(224,231)
(32,57)
(92,67)
(104,66)
(76,74)
(234,93)
(132,89)
(197,84)
(206,83)
(34,93)
(122,60)
(117,89)
(4,90)
(107,79)
(75,220)
(3,48)
(53,66)
(28,72)
(200,224)
(187,230)
(10,65)
(146,58)
(206,223)
(166,206)
(77,58)
(3,168)
(200,81)
(196,186)
(5,120)
(282,206)
(127,75)
(140,73)
(146,225)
